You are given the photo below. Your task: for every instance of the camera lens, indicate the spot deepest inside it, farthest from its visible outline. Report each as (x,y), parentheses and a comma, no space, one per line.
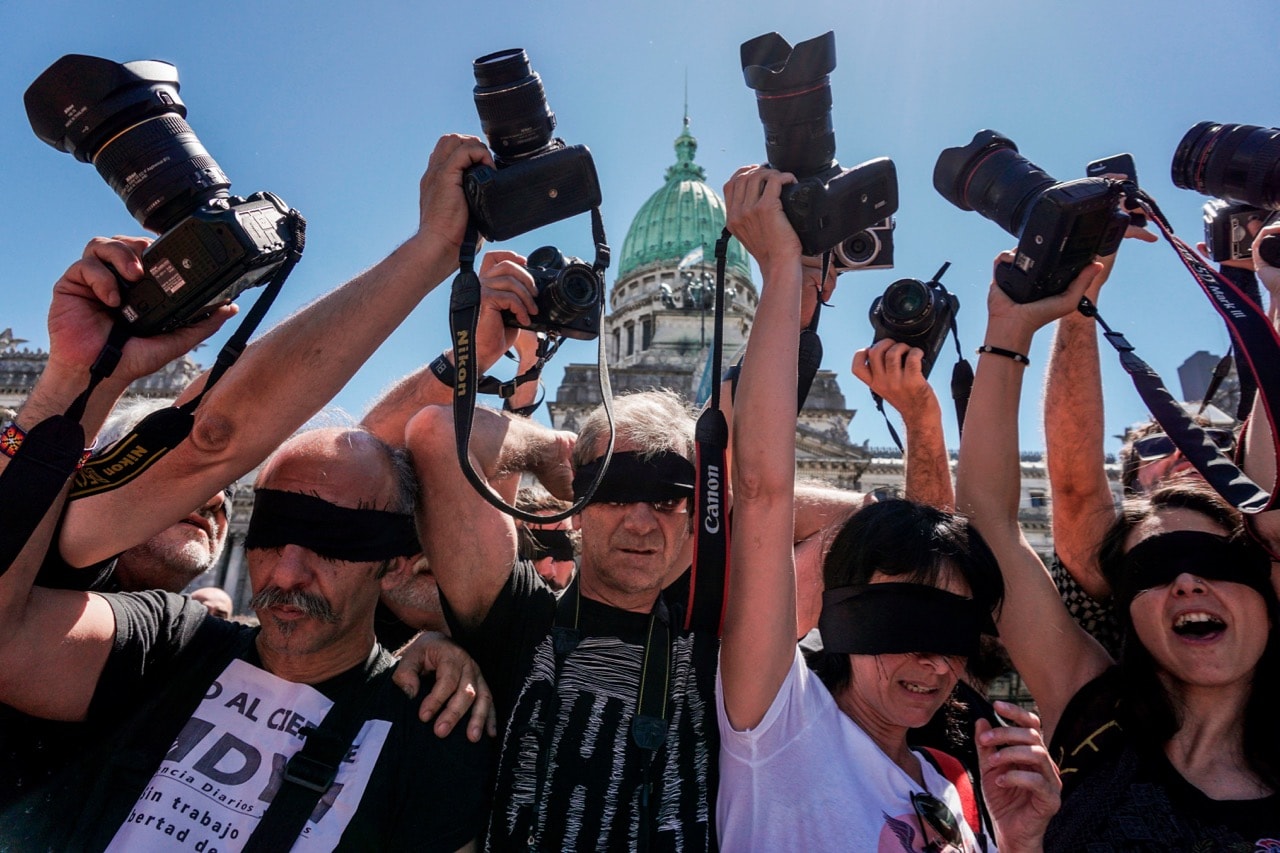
(130,123)
(512,104)
(574,292)
(907,307)
(990,176)
(793,95)
(857,250)
(1240,162)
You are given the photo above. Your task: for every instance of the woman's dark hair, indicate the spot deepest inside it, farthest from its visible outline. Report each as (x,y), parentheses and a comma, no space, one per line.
(913,543)
(1147,711)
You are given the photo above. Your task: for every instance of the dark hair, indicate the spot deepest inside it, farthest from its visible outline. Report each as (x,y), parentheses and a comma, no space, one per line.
(1147,711)
(914,543)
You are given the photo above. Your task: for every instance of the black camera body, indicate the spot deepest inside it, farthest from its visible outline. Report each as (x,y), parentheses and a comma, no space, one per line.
(1070,225)
(826,210)
(128,120)
(538,180)
(206,260)
(570,296)
(827,204)
(522,195)
(1226,229)
(869,249)
(916,313)
(1061,226)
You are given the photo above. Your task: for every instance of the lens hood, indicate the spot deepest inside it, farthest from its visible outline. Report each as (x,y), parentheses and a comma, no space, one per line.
(771,64)
(80,101)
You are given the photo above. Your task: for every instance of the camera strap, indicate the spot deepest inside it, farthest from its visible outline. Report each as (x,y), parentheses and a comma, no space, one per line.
(464,317)
(1258,348)
(711,537)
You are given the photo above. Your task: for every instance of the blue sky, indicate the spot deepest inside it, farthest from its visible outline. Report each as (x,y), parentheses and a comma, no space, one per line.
(335,107)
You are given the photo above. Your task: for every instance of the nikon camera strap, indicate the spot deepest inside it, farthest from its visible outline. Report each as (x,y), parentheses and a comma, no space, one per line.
(464,316)
(1257,347)
(30,484)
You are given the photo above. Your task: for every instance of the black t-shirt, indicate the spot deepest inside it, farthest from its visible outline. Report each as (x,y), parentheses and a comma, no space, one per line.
(591,789)
(1120,796)
(421,793)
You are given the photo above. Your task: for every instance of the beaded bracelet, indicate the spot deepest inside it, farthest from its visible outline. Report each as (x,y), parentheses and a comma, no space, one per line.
(1007,353)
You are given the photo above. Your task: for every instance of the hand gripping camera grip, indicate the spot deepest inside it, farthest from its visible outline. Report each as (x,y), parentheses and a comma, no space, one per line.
(1269,249)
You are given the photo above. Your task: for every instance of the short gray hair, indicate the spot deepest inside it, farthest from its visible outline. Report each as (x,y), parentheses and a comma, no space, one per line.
(653,421)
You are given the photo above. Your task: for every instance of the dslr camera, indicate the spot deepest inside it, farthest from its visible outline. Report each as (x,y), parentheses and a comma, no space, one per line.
(827,205)
(538,179)
(130,123)
(1238,163)
(1061,226)
(869,249)
(570,296)
(918,313)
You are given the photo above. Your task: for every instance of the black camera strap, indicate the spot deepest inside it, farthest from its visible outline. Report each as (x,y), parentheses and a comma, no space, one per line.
(711,536)
(464,317)
(30,484)
(1258,348)
(648,725)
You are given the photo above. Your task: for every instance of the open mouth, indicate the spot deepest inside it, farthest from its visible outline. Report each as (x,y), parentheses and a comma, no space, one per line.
(1198,625)
(918,689)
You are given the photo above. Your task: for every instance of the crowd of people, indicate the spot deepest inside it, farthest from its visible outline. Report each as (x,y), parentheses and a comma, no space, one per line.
(428,673)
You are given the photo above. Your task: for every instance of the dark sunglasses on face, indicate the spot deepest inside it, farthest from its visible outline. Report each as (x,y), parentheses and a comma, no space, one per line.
(932,811)
(1158,445)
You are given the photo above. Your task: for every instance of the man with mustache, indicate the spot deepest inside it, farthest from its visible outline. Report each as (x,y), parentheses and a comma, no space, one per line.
(333,514)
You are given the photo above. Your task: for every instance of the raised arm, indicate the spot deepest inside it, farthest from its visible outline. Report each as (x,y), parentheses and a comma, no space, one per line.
(894,371)
(286,377)
(1050,651)
(1260,454)
(471,545)
(54,644)
(758,645)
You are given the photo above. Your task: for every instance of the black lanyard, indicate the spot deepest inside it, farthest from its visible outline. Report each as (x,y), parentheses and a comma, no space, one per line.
(648,725)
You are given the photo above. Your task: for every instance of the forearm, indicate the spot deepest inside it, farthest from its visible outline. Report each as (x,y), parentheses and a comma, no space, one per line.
(760,629)
(1074,433)
(988,473)
(280,381)
(928,466)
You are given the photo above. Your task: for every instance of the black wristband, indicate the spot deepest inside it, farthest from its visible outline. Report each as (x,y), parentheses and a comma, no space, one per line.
(444,371)
(1007,353)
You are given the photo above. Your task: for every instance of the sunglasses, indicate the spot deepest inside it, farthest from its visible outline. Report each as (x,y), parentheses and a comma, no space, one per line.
(1158,445)
(934,812)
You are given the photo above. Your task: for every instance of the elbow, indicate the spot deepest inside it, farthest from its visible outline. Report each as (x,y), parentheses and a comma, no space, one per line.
(430,432)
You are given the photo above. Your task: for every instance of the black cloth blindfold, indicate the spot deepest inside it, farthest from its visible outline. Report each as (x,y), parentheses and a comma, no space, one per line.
(1160,559)
(633,479)
(339,533)
(555,544)
(901,618)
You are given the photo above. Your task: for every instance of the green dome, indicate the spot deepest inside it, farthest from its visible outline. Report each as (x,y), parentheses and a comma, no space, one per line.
(683,215)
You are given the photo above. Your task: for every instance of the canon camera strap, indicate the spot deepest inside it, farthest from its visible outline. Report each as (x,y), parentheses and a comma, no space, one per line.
(464,317)
(48,456)
(710,570)
(1258,352)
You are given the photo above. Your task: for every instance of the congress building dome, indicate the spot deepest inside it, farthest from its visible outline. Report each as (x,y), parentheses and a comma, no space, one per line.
(683,215)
